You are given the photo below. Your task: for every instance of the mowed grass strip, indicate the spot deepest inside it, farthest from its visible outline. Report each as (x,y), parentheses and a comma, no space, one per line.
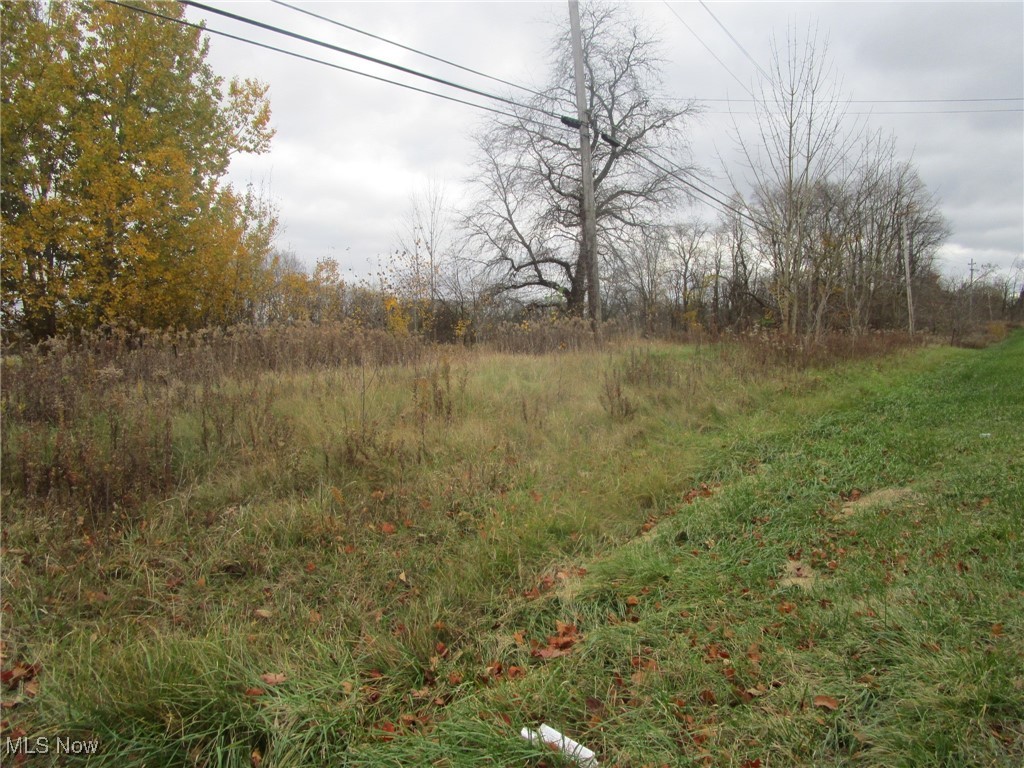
(676,555)
(845,589)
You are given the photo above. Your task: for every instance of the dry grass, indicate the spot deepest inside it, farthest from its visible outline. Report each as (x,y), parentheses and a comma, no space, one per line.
(357,513)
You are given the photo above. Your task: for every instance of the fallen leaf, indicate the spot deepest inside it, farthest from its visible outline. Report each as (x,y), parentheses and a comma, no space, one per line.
(273,678)
(388,528)
(826,702)
(254,691)
(262,613)
(707,696)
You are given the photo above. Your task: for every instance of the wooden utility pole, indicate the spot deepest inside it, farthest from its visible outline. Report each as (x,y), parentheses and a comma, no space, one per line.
(906,270)
(588,245)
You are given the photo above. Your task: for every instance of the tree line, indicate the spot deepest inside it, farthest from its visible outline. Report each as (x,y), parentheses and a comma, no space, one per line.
(117,137)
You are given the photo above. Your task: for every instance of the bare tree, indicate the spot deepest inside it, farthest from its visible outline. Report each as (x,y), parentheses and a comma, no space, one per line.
(425,248)
(800,145)
(526,221)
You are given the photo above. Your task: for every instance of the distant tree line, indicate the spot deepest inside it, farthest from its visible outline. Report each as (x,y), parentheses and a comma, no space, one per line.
(117,135)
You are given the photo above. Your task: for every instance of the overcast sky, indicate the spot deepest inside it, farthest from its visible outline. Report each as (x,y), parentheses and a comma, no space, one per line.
(350,153)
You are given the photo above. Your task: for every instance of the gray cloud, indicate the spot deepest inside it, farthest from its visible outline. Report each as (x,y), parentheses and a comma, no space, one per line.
(350,152)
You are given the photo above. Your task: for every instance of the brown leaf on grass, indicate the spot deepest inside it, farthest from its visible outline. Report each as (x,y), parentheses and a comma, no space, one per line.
(388,528)
(19,674)
(263,613)
(707,696)
(826,702)
(273,678)
(315,617)
(253,691)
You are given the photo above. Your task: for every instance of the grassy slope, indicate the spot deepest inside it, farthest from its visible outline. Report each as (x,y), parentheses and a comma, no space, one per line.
(416,645)
(897,640)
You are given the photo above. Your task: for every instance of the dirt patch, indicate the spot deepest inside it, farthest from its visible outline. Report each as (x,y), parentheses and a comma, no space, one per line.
(884,498)
(798,574)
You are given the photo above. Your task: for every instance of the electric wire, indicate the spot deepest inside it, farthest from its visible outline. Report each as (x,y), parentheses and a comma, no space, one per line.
(708,49)
(293,54)
(739,45)
(363,56)
(720,205)
(875,101)
(893,112)
(405,47)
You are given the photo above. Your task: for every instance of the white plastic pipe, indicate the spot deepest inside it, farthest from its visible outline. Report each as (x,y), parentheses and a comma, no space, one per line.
(556,741)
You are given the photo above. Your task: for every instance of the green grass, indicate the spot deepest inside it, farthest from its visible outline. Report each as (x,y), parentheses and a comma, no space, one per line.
(730,541)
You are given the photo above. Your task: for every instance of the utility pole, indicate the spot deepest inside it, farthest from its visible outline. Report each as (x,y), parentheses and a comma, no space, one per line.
(970,294)
(906,270)
(588,212)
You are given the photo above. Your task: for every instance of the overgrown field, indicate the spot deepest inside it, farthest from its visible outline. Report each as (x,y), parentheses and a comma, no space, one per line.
(328,550)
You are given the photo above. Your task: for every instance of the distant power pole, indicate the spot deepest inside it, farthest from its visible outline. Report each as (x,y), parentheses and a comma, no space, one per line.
(589,207)
(970,294)
(910,293)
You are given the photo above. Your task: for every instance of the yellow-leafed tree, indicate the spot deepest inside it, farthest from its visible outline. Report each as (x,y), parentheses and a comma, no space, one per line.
(116,136)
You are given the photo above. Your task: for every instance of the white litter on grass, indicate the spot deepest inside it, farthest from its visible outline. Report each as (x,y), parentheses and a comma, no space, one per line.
(556,741)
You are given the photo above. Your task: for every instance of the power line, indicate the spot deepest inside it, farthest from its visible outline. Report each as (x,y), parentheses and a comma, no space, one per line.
(708,49)
(897,112)
(293,54)
(873,101)
(719,205)
(405,47)
(363,56)
(739,45)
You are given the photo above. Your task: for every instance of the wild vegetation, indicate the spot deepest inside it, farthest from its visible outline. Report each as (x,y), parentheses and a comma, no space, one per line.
(316,547)
(116,209)
(259,516)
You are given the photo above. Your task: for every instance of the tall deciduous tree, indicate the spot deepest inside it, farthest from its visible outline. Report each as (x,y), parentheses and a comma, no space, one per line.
(800,146)
(116,136)
(526,222)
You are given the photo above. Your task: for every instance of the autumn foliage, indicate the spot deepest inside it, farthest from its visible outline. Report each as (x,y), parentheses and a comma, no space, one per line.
(116,137)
